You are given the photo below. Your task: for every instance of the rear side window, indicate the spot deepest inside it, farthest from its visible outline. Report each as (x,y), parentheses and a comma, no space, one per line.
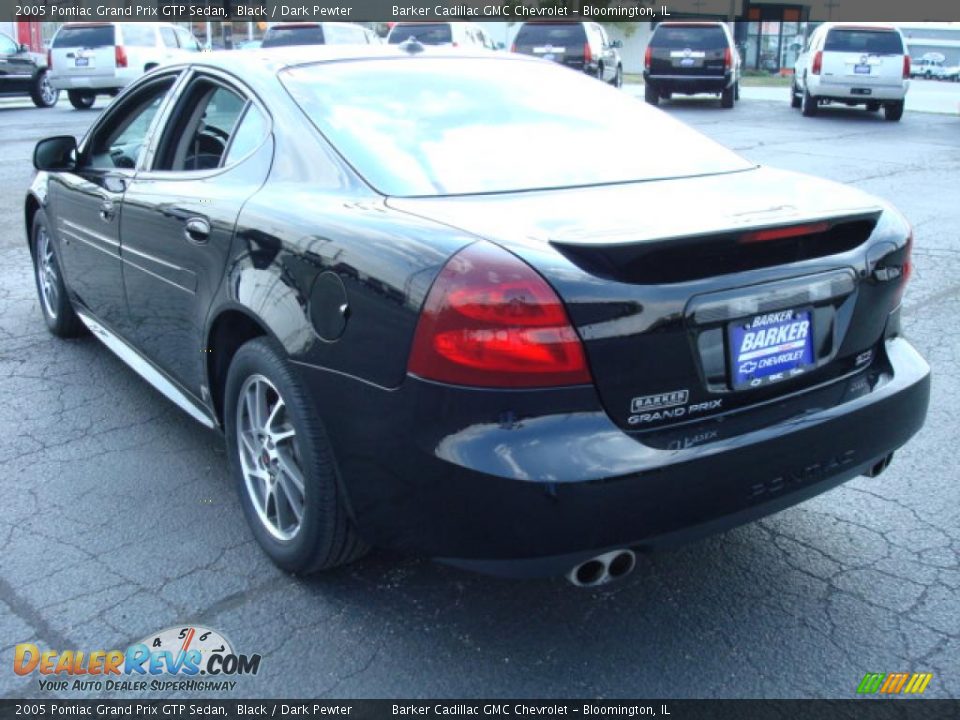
(293,35)
(872,42)
(87,36)
(138,34)
(551,34)
(689,37)
(248,136)
(427,33)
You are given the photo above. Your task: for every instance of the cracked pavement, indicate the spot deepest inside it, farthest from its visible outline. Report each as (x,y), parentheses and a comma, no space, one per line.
(118,517)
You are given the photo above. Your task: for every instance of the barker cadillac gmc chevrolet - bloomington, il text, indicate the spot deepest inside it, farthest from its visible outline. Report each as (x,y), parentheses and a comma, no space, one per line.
(437,305)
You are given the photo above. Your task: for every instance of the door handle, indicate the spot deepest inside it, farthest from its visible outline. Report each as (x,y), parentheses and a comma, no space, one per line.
(197,230)
(107,210)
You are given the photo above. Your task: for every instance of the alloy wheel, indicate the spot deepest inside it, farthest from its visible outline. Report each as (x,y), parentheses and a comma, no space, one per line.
(47,276)
(47,92)
(270,458)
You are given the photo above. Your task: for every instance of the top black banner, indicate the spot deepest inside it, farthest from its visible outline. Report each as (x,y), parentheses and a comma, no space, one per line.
(491,10)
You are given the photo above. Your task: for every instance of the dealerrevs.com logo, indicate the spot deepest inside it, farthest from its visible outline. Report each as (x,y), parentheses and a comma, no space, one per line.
(178,658)
(894,683)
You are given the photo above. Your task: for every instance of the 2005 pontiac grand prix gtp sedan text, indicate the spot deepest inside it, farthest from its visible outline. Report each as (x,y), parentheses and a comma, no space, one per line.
(477,307)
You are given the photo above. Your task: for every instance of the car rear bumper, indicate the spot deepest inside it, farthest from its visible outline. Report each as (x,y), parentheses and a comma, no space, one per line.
(112,81)
(852,91)
(533,494)
(689,84)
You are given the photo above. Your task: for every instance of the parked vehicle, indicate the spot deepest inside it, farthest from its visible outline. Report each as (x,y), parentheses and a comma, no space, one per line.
(928,68)
(317,33)
(852,64)
(249,45)
(504,365)
(101,58)
(582,46)
(24,73)
(689,58)
(452,34)
(951,73)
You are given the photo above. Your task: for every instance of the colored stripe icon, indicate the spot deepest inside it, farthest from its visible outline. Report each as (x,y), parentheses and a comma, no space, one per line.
(894,683)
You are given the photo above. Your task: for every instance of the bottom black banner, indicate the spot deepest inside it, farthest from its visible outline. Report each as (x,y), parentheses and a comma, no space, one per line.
(906,709)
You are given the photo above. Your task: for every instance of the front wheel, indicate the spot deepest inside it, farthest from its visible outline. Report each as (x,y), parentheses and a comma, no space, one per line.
(42,93)
(283,464)
(893,111)
(55,305)
(82,99)
(618,77)
(650,94)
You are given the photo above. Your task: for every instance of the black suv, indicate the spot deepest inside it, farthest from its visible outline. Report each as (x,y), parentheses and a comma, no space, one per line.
(690,58)
(580,45)
(22,73)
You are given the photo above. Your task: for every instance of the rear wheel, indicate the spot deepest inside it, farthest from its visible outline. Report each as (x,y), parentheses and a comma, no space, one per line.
(42,93)
(55,305)
(650,94)
(82,99)
(893,111)
(808,104)
(283,464)
(727,97)
(795,98)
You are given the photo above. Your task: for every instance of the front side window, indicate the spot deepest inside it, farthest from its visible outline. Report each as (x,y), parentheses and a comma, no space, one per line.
(7,46)
(202,127)
(169,37)
(429,126)
(187,41)
(118,141)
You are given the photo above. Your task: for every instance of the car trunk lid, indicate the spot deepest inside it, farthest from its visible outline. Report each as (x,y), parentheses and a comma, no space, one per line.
(660,311)
(864,56)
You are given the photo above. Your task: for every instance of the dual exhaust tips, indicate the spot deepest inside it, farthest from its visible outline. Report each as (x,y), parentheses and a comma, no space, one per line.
(603,569)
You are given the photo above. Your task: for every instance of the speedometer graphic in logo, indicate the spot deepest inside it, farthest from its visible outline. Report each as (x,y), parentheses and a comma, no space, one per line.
(181,641)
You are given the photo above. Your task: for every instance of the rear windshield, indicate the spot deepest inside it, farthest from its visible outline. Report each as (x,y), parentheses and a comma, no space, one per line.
(298,35)
(690,37)
(428,126)
(426,34)
(138,35)
(551,34)
(88,36)
(873,42)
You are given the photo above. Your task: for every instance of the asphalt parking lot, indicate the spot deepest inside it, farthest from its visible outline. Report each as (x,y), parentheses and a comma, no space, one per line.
(118,519)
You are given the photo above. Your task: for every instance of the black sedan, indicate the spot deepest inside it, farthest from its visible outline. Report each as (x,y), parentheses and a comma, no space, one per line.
(436,305)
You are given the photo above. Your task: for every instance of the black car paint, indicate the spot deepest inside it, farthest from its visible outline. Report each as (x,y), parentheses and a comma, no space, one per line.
(479,476)
(19,68)
(713,75)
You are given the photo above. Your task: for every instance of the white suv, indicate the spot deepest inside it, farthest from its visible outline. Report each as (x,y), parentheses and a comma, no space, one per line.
(87,59)
(451,34)
(853,64)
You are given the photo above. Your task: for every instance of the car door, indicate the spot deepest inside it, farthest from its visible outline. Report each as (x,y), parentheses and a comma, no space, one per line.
(607,53)
(179,217)
(16,68)
(87,204)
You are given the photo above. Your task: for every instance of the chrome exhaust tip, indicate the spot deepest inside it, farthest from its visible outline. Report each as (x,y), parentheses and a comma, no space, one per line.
(603,569)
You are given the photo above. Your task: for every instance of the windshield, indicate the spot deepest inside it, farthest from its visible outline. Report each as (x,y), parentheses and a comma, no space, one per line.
(443,126)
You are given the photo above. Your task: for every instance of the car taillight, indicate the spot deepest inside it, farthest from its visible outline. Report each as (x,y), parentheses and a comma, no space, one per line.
(781,233)
(455,44)
(648,57)
(513,47)
(906,66)
(727,58)
(817,63)
(587,54)
(906,268)
(120,55)
(49,60)
(491,321)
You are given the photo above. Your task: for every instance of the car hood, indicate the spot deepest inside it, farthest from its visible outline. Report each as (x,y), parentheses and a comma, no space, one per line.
(644,211)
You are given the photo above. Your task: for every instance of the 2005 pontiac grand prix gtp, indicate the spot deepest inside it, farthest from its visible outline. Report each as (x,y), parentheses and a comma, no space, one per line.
(481,308)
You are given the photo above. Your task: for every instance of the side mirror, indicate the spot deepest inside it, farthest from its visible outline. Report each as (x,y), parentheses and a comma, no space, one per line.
(56,153)
(616,44)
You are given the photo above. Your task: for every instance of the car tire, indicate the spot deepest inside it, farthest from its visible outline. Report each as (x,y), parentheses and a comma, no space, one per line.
(796,99)
(893,111)
(82,99)
(873,106)
(290,462)
(58,312)
(727,97)
(618,77)
(650,94)
(808,104)
(43,94)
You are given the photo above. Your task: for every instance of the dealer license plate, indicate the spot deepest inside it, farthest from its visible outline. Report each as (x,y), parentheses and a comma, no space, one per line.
(770,347)
(861,69)
(82,62)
